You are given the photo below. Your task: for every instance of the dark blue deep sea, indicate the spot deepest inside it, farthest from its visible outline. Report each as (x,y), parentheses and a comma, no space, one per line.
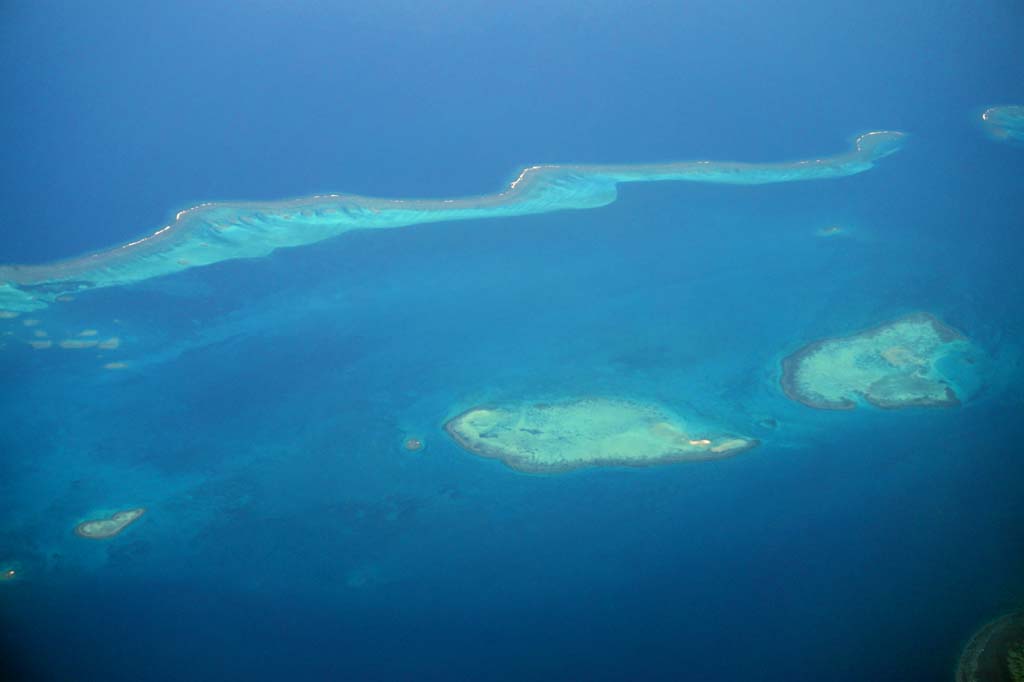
(261,413)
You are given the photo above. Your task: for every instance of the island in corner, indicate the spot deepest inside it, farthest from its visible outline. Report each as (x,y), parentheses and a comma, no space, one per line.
(909,362)
(9,571)
(995,652)
(101,529)
(571,434)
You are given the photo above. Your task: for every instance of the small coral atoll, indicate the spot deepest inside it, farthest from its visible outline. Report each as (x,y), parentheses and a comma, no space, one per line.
(904,363)
(570,434)
(101,529)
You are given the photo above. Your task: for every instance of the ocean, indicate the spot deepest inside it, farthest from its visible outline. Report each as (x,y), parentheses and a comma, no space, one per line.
(257,408)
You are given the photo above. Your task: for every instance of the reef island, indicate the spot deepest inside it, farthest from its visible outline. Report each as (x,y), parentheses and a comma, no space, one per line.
(572,434)
(101,529)
(995,652)
(903,363)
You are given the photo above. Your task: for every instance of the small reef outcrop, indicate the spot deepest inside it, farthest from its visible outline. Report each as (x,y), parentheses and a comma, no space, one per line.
(1005,124)
(101,529)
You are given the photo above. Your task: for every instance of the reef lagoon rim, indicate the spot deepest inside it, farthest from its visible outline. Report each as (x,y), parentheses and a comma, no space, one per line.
(101,529)
(995,652)
(587,432)
(1005,124)
(215,232)
(893,365)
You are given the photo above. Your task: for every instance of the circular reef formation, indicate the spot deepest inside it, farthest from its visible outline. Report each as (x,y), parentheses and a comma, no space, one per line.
(571,434)
(909,362)
(101,529)
(995,652)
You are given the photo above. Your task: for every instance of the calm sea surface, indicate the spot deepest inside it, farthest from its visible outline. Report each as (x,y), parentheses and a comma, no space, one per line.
(260,415)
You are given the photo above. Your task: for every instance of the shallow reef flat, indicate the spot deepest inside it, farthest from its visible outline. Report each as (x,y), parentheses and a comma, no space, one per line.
(215,232)
(586,432)
(1005,123)
(101,529)
(995,652)
(902,363)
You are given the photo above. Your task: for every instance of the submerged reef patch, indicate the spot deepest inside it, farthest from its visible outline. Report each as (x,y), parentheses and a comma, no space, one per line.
(211,233)
(413,443)
(571,434)
(33,333)
(1005,124)
(995,652)
(831,231)
(903,363)
(101,529)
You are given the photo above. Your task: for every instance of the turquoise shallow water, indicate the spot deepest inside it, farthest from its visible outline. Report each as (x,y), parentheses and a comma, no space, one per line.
(261,409)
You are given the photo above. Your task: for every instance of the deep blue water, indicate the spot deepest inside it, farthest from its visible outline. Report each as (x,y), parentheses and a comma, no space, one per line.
(260,418)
